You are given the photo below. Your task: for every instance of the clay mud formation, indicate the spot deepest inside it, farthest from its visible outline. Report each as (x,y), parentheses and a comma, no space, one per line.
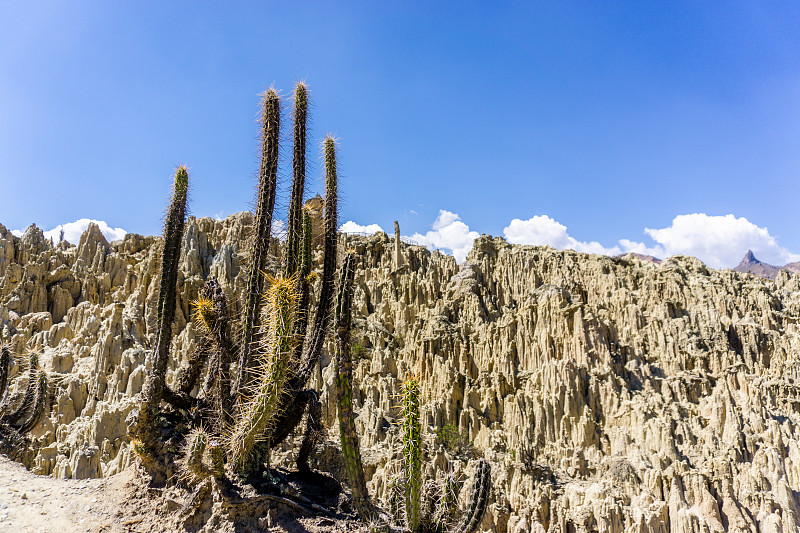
(608,394)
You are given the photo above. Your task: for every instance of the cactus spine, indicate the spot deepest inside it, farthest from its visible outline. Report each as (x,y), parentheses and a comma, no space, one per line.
(267,182)
(15,417)
(294,238)
(412,453)
(344,391)
(155,385)
(39,405)
(258,415)
(5,368)
(296,401)
(202,458)
(479,498)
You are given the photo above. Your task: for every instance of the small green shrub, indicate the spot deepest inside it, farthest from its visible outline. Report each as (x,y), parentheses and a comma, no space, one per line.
(453,440)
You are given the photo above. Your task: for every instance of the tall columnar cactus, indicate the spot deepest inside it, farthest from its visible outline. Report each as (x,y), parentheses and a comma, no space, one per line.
(145,428)
(258,415)
(296,400)
(344,391)
(295,225)
(412,453)
(267,182)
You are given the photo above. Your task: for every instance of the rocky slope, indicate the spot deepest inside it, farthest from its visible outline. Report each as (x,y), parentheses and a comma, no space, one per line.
(610,394)
(750,265)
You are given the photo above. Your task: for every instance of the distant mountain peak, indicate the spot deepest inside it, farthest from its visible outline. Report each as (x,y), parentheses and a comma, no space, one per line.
(750,265)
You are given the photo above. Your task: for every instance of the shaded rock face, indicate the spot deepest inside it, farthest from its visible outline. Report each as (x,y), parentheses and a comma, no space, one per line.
(609,394)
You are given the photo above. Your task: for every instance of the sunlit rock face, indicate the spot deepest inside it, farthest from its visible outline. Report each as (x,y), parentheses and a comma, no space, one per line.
(609,394)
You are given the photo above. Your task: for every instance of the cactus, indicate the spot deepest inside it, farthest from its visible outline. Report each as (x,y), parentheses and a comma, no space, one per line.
(447,505)
(440,508)
(344,391)
(479,498)
(154,388)
(294,238)
(5,368)
(296,399)
(258,415)
(210,312)
(15,416)
(202,457)
(267,182)
(39,405)
(412,453)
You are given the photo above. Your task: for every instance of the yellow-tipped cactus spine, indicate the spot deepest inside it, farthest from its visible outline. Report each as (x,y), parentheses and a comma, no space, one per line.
(258,414)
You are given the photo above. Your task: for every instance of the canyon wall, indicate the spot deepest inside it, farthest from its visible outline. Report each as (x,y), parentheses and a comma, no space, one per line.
(609,394)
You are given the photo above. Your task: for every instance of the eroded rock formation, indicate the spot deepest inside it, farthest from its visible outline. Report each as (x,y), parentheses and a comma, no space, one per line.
(609,394)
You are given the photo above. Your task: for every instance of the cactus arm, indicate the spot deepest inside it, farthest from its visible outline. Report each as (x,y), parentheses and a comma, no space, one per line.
(479,498)
(301,324)
(294,238)
(412,454)
(448,503)
(344,391)
(322,318)
(267,182)
(211,315)
(5,368)
(16,415)
(292,407)
(39,404)
(314,431)
(258,415)
(145,427)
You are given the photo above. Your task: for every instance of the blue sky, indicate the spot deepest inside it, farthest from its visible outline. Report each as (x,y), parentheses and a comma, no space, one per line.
(589,123)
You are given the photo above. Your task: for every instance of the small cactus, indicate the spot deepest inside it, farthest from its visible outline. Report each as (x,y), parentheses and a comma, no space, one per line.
(479,498)
(412,454)
(5,368)
(202,457)
(39,405)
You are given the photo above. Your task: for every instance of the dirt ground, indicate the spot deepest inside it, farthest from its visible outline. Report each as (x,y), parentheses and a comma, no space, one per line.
(31,503)
(120,504)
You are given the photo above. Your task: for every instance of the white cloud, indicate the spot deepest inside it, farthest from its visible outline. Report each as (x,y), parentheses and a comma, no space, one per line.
(74,230)
(17,232)
(449,233)
(278,228)
(719,241)
(542,230)
(352,227)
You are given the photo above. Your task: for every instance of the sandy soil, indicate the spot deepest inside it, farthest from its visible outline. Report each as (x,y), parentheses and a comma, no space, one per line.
(31,503)
(119,504)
